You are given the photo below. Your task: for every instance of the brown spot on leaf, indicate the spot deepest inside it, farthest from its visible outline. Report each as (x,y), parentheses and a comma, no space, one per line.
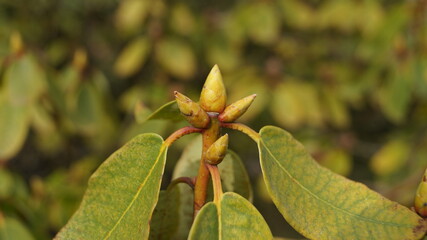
(420,228)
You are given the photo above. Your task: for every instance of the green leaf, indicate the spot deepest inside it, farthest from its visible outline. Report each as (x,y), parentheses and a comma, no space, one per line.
(177,58)
(390,158)
(132,57)
(263,23)
(169,111)
(233,217)
(14,123)
(23,81)
(121,194)
(130,15)
(233,176)
(164,222)
(322,205)
(11,229)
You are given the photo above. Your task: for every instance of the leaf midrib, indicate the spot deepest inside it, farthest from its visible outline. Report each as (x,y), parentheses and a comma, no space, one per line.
(141,186)
(328,203)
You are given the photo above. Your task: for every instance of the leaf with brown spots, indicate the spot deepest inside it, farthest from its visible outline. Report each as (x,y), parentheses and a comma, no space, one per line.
(323,205)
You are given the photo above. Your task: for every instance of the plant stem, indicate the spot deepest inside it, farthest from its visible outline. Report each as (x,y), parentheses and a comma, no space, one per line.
(179,133)
(244,129)
(216,181)
(187,180)
(209,136)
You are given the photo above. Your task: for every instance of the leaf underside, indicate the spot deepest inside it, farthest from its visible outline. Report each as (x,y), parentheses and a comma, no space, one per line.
(323,205)
(233,176)
(233,217)
(168,111)
(121,194)
(164,222)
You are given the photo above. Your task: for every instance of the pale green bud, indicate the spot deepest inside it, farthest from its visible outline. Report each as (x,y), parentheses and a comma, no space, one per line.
(233,111)
(192,111)
(216,152)
(213,97)
(421,197)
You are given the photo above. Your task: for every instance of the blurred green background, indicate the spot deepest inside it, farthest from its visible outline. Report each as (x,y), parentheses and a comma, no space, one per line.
(346,78)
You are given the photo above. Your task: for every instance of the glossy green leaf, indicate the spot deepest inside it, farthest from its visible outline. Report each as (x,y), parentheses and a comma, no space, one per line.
(12,229)
(164,222)
(132,57)
(169,111)
(322,205)
(233,176)
(121,194)
(233,217)
(14,123)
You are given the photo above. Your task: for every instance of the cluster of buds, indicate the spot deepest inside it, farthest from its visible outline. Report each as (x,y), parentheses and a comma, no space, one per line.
(212,100)
(212,104)
(421,197)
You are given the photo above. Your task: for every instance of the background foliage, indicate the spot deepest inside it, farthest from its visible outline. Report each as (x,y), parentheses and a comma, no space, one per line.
(347,78)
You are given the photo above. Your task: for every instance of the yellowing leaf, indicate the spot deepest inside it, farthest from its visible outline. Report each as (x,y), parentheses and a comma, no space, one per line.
(132,57)
(121,194)
(176,57)
(322,205)
(390,158)
(233,217)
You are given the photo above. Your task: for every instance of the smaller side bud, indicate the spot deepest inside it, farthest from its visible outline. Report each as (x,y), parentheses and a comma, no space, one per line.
(213,96)
(421,197)
(233,111)
(216,152)
(192,111)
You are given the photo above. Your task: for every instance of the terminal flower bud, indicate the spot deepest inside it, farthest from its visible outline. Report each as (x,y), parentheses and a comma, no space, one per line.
(192,111)
(216,152)
(421,197)
(233,111)
(213,97)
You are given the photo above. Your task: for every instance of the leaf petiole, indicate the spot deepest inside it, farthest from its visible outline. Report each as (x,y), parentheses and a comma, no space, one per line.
(216,182)
(187,180)
(179,133)
(242,128)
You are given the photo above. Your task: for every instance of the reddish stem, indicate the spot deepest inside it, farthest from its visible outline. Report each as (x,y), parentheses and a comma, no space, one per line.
(179,133)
